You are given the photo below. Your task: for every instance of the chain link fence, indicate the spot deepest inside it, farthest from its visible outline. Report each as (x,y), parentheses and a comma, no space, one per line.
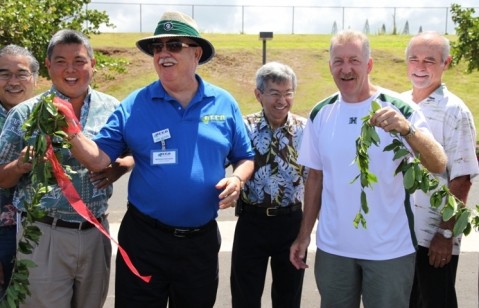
(251,19)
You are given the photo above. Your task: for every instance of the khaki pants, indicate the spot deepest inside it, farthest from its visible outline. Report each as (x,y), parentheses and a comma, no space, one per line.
(73,268)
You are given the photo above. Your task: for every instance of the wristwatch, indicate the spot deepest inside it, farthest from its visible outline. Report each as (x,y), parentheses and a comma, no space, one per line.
(411,132)
(446,233)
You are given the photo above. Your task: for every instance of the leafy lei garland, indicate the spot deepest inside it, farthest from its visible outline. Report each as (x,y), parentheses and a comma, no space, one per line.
(415,177)
(43,128)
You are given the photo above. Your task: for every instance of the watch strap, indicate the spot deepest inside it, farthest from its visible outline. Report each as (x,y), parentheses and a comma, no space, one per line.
(411,132)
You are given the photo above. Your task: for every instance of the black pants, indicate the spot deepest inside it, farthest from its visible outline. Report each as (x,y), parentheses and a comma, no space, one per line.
(258,238)
(184,269)
(433,287)
(7,253)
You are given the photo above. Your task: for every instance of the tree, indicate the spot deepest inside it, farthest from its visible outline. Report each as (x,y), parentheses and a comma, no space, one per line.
(467,30)
(366,29)
(383,29)
(32,23)
(405,31)
(334,30)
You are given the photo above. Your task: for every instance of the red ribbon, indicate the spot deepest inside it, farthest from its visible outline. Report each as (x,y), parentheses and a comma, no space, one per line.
(73,197)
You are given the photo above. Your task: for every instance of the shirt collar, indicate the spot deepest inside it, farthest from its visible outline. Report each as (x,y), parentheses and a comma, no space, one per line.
(55,91)
(3,111)
(437,94)
(86,103)
(286,127)
(158,91)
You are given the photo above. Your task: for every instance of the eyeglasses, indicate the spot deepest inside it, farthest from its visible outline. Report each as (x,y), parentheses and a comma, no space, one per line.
(23,76)
(174,46)
(278,95)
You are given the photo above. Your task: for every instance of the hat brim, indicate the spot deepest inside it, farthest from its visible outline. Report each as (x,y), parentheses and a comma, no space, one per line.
(145,45)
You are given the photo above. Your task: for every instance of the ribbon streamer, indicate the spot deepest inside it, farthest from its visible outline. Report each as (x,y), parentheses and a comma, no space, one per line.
(77,203)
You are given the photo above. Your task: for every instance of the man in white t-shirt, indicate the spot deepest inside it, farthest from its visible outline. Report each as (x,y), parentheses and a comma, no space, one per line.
(452,125)
(377,262)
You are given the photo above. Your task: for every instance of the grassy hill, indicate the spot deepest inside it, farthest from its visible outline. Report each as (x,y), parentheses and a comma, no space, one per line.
(239,56)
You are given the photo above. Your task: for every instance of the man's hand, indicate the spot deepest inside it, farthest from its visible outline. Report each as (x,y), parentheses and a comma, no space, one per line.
(24,163)
(104,178)
(113,172)
(231,187)
(66,109)
(297,253)
(390,120)
(440,250)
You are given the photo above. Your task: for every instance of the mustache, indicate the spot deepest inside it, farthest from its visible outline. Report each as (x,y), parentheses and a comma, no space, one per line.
(13,88)
(347,76)
(167,60)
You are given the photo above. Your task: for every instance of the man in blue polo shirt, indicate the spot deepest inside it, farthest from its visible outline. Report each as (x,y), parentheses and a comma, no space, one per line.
(181,130)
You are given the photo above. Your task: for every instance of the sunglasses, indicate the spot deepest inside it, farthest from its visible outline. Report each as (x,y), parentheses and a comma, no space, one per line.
(174,46)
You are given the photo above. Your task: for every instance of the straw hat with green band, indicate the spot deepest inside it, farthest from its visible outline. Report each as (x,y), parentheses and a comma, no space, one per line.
(177,24)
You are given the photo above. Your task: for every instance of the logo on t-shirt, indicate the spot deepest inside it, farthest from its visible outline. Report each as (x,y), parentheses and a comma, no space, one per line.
(353,120)
(213,117)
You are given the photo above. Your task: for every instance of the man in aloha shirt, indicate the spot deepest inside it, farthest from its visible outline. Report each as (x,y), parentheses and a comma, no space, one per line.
(18,78)
(72,258)
(270,208)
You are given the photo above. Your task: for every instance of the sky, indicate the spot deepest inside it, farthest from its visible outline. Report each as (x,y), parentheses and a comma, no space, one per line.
(279,16)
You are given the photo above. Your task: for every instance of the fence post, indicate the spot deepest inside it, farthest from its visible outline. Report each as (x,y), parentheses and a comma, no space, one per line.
(292,25)
(447,15)
(242,19)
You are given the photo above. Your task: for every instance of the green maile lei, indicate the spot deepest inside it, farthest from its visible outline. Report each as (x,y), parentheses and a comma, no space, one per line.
(415,177)
(43,127)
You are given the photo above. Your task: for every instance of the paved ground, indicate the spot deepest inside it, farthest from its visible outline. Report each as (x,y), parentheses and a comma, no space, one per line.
(467,278)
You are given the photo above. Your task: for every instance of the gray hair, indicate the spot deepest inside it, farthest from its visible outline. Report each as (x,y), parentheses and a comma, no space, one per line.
(276,72)
(348,36)
(15,50)
(432,35)
(68,36)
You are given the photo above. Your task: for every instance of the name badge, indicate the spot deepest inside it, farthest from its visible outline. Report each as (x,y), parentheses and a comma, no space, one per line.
(161,135)
(164,157)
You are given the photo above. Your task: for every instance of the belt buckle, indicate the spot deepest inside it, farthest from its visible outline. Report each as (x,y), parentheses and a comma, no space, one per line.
(271,208)
(180,232)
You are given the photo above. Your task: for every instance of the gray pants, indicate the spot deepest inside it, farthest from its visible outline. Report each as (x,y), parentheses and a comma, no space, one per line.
(342,281)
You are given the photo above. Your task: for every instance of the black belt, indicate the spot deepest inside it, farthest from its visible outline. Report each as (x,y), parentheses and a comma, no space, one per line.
(9,227)
(67,224)
(271,211)
(175,231)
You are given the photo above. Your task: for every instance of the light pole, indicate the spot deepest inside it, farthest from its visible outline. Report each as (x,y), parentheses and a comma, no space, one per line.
(265,36)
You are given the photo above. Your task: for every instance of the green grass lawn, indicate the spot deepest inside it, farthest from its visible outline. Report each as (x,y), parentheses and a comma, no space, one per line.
(239,56)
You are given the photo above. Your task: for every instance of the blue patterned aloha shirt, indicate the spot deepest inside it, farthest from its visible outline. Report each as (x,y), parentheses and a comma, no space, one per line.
(7,210)
(96,109)
(278,180)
